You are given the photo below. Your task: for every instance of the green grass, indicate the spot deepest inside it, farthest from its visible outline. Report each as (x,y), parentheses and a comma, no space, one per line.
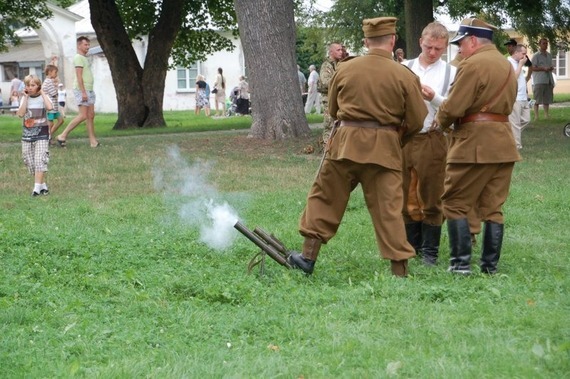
(103,278)
(176,121)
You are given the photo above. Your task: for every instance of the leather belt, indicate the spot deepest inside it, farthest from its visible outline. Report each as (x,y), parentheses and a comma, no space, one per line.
(368,124)
(483,116)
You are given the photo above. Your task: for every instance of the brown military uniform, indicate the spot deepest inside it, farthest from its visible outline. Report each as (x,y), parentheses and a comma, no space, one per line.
(373,95)
(328,68)
(481,154)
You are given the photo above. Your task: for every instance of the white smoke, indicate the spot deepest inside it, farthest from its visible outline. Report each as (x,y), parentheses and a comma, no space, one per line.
(198,201)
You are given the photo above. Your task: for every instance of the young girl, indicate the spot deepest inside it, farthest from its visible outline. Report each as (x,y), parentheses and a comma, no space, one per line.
(35,132)
(61,95)
(14,101)
(50,89)
(202,99)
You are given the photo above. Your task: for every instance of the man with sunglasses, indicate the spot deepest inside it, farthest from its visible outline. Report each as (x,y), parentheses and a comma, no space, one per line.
(482,150)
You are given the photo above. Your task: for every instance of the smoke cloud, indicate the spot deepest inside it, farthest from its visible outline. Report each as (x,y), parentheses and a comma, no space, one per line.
(198,202)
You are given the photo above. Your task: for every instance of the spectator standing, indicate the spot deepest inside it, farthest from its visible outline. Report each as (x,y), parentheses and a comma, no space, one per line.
(542,79)
(399,55)
(84,95)
(242,102)
(425,153)
(482,151)
(220,93)
(366,149)
(302,79)
(328,68)
(50,88)
(202,96)
(16,86)
(14,101)
(312,93)
(520,116)
(35,132)
(61,99)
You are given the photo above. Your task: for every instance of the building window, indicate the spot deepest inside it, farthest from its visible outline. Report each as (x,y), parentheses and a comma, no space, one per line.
(560,61)
(186,77)
(10,71)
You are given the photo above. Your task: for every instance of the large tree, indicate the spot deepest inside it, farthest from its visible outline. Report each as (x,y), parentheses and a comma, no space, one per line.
(179,32)
(267,31)
(418,13)
(181,29)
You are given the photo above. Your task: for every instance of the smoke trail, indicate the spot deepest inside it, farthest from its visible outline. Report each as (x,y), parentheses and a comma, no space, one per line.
(198,201)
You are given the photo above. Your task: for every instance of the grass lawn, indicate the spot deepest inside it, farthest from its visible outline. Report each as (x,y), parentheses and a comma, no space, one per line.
(109,276)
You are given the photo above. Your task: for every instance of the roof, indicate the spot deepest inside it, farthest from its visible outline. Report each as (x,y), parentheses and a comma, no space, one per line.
(23,53)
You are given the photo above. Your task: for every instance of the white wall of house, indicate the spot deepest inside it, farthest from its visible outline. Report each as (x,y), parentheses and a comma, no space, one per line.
(57,37)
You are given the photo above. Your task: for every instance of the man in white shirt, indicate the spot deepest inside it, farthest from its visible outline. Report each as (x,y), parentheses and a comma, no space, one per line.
(313,94)
(425,154)
(520,117)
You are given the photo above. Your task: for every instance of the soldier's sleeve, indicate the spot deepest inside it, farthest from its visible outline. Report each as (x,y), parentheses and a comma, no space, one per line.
(325,77)
(416,110)
(333,92)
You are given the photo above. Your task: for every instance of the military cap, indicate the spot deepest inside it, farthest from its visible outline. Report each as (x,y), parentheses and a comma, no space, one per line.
(379,26)
(473,27)
(511,42)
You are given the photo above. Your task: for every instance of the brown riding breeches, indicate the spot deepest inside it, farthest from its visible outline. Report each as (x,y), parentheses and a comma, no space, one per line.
(469,185)
(382,188)
(425,153)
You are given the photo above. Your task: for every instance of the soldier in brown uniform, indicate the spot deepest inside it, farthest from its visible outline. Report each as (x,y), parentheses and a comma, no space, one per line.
(482,149)
(328,68)
(372,96)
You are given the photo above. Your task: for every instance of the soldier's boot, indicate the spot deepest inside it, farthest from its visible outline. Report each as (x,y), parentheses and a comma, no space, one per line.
(399,268)
(414,235)
(492,243)
(306,260)
(460,246)
(431,234)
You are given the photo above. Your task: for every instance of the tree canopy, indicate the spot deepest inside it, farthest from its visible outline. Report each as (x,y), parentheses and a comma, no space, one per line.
(532,19)
(16,14)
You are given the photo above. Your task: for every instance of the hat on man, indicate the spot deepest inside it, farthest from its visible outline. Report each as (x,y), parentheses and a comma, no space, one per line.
(379,26)
(511,42)
(473,27)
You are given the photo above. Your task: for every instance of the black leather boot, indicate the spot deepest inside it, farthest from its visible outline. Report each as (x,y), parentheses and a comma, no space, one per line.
(431,234)
(492,242)
(460,246)
(306,260)
(414,235)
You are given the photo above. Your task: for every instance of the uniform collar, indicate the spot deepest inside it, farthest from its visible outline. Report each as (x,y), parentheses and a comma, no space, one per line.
(380,52)
(484,48)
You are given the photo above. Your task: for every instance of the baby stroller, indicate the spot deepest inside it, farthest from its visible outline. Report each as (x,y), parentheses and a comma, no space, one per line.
(567,130)
(232,108)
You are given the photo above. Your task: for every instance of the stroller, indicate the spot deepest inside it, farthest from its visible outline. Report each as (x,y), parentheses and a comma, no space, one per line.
(232,107)
(238,105)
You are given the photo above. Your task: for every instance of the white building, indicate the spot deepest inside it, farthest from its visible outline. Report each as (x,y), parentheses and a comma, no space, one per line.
(57,37)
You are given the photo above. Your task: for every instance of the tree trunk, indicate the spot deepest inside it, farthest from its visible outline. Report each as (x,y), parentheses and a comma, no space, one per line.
(267,32)
(139,91)
(418,13)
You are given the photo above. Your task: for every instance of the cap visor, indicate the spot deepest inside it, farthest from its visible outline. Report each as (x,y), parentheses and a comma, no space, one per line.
(457,38)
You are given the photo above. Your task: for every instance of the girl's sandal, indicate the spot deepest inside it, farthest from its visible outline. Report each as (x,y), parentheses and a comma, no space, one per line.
(60,142)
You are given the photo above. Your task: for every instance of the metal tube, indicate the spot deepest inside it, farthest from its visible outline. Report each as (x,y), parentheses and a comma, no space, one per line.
(270,250)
